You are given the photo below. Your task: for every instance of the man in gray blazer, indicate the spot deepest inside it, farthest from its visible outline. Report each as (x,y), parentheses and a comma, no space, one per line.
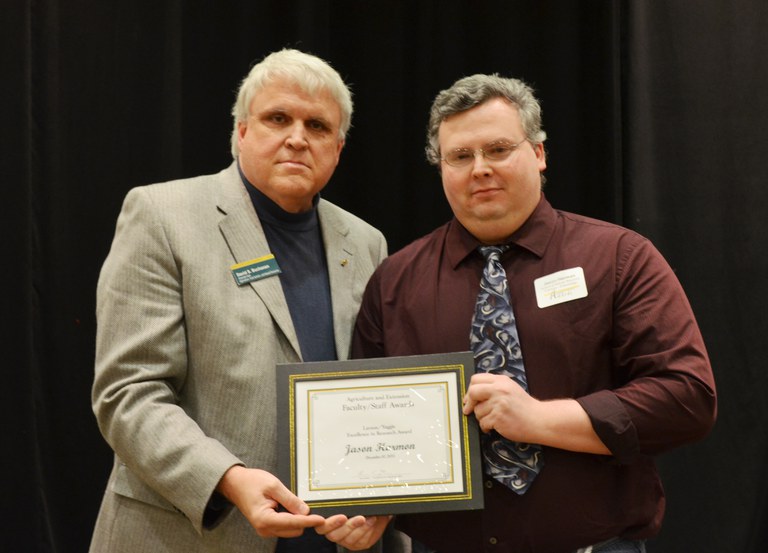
(190,328)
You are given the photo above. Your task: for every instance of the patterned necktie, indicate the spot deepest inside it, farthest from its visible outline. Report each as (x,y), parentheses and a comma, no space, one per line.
(496,346)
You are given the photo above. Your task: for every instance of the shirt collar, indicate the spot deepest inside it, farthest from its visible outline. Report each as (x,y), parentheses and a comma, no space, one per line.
(533,236)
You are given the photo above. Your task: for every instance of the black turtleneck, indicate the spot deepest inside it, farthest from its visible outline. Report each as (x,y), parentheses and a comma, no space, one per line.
(296,242)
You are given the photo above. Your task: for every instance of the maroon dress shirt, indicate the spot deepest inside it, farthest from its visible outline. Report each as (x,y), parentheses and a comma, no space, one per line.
(630,353)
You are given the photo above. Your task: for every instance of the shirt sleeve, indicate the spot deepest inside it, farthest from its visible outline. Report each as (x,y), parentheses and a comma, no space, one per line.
(665,393)
(368,336)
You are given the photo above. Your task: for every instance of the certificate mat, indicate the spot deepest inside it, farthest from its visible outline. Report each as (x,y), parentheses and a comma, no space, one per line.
(379,436)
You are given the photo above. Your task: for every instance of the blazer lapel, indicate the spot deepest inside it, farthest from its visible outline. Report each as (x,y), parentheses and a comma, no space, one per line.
(340,256)
(245,237)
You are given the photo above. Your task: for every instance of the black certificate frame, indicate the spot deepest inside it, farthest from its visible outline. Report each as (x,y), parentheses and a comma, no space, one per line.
(387,384)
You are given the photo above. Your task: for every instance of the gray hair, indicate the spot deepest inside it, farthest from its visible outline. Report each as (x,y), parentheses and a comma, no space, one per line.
(469,92)
(309,72)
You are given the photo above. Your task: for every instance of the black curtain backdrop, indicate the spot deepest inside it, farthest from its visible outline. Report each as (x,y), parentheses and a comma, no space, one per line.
(656,113)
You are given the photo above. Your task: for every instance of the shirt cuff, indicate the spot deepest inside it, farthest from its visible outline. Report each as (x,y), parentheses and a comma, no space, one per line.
(218,506)
(612,424)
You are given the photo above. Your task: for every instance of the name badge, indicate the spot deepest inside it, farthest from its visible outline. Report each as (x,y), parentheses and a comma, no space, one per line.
(560,287)
(255,269)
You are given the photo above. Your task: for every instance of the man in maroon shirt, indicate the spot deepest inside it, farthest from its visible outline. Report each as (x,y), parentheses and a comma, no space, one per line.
(616,368)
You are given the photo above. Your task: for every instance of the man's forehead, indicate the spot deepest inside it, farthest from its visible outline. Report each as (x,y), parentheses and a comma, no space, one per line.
(289,97)
(493,119)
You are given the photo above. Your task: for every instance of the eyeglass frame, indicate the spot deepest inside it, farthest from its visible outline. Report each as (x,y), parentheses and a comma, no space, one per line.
(512,147)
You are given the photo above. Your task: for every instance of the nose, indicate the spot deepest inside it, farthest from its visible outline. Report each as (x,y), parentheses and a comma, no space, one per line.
(297,137)
(480,165)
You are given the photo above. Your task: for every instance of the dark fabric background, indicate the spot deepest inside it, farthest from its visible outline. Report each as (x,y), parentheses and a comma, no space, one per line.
(656,113)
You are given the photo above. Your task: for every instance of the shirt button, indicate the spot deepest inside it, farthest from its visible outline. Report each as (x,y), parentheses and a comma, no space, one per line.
(489,484)
(493,541)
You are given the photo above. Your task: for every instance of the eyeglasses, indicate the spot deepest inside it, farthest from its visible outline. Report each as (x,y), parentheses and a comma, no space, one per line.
(494,151)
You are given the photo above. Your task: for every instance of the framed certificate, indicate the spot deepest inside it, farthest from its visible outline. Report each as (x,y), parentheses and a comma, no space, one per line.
(379,436)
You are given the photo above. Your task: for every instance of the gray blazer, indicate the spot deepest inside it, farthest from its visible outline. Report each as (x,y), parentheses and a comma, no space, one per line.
(184,384)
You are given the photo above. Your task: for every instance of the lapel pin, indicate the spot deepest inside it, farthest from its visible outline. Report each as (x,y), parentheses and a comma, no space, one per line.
(344,262)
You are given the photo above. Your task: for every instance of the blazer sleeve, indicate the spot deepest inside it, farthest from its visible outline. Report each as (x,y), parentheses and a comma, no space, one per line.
(141,364)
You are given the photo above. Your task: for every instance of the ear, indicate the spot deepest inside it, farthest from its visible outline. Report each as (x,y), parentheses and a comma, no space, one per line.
(339,147)
(541,156)
(242,128)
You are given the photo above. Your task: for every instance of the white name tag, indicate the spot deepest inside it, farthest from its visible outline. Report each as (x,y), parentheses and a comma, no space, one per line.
(560,287)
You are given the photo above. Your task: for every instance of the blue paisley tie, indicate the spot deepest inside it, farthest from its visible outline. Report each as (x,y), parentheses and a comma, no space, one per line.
(496,346)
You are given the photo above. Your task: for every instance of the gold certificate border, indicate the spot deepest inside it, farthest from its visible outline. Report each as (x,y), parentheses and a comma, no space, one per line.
(449,440)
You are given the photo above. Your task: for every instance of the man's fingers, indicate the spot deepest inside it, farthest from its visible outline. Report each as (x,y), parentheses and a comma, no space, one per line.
(286,525)
(469,405)
(330,524)
(290,502)
(479,390)
(359,532)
